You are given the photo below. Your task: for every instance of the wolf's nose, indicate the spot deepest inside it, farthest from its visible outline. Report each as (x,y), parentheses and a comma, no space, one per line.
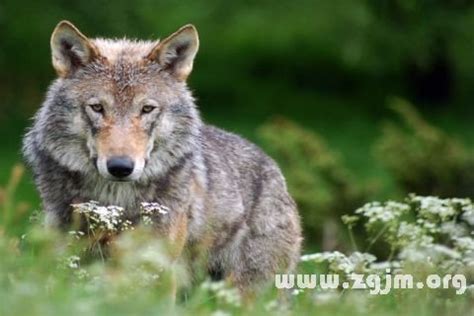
(120,166)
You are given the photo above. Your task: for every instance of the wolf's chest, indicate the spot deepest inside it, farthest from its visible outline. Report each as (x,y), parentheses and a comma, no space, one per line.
(123,194)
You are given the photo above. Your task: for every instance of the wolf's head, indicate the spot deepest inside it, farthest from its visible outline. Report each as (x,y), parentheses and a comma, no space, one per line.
(120,107)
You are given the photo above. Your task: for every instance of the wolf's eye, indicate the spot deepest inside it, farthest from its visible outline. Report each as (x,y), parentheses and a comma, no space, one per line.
(97,107)
(148,109)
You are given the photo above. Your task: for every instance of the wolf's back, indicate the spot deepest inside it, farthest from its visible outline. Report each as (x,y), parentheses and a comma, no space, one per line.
(249,166)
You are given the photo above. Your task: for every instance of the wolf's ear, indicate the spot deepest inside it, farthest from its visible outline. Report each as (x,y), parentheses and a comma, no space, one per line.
(176,52)
(70,49)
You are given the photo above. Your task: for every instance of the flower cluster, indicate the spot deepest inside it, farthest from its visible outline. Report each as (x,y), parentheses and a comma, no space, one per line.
(340,263)
(437,210)
(72,262)
(223,292)
(111,219)
(376,212)
(104,218)
(428,231)
(148,210)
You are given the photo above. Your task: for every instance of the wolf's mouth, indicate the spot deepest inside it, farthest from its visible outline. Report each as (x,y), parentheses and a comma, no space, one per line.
(120,180)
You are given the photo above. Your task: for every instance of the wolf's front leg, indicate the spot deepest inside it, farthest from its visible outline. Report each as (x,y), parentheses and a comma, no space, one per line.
(57,214)
(271,243)
(175,234)
(51,220)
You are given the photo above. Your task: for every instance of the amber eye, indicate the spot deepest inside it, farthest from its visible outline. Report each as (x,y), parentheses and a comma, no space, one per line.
(148,109)
(97,107)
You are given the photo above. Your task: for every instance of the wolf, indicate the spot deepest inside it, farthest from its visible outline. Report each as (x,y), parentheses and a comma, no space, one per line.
(120,126)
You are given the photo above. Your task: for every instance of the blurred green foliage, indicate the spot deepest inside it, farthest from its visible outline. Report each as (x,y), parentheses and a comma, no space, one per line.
(424,159)
(253,49)
(320,183)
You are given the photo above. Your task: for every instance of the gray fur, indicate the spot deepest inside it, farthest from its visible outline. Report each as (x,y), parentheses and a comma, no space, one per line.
(233,195)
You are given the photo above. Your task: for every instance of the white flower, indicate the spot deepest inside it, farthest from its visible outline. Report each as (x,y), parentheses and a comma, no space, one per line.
(408,231)
(272,305)
(465,244)
(153,207)
(434,208)
(326,297)
(384,265)
(453,229)
(338,262)
(73,262)
(223,292)
(149,209)
(468,214)
(386,212)
(296,292)
(220,313)
(76,233)
(434,253)
(108,218)
(361,260)
(82,274)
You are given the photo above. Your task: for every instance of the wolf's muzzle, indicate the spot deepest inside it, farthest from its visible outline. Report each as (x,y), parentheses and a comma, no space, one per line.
(120,166)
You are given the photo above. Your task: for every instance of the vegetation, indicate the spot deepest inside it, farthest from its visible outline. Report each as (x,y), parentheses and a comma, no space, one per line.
(424,159)
(55,273)
(306,80)
(316,177)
